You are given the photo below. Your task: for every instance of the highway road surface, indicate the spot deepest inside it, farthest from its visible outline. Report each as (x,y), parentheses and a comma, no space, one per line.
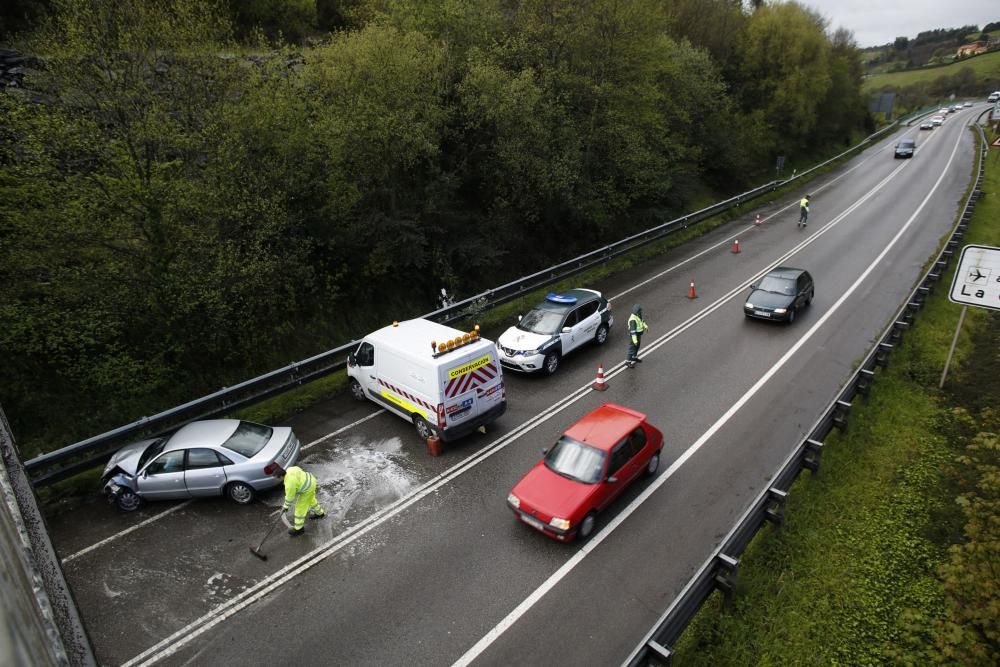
(421,563)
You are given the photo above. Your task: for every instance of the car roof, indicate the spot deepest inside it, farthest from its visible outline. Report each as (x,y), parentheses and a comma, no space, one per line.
(786,272)
(604,426)
(581,295)
(201,433)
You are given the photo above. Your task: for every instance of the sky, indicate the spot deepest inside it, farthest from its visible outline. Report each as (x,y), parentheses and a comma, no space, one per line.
(876,22)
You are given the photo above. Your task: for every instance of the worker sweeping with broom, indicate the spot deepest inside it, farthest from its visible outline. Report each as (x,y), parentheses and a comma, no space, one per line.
(300,491)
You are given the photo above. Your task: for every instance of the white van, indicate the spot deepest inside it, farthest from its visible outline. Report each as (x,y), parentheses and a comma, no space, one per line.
(994,96)
(447,382)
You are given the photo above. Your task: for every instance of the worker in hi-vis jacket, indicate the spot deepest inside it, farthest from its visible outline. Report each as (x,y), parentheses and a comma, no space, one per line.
(636,327)
(300,491)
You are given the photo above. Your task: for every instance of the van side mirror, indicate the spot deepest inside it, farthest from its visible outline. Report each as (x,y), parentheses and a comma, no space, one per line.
(567,329)
(519,318)
(352,360)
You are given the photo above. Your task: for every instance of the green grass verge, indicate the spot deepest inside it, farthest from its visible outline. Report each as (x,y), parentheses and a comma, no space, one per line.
(853,576)
(986,66)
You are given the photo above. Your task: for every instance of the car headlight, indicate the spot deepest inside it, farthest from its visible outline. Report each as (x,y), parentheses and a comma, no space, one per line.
(781,311)
(561,524)
(748,305)
(514,500)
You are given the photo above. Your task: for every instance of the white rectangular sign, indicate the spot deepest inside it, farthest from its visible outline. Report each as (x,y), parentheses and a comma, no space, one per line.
(977,279)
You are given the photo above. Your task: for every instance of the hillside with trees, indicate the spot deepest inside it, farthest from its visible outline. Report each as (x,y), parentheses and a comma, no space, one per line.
(192,192)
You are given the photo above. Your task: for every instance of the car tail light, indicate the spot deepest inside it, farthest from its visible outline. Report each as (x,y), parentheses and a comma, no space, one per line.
(271,468)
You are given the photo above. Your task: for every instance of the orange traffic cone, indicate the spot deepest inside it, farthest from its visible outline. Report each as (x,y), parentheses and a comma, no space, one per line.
(736,247)
(756,221)
(599,384)
(691,294)
(434,445)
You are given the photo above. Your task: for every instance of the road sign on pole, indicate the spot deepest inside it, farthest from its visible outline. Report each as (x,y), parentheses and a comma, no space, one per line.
(977,279)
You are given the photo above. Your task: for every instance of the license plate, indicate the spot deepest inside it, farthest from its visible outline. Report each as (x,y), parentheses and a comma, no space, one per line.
(533,522)
(761,313)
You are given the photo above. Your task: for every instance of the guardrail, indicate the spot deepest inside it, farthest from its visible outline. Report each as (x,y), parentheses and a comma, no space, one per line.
(720,571)
(86,454)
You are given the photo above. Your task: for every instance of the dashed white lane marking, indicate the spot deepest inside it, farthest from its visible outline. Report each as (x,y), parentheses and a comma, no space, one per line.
(324,438)
(590,546)
(179,639)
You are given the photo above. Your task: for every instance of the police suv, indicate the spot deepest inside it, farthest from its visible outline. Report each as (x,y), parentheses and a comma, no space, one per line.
(553,328)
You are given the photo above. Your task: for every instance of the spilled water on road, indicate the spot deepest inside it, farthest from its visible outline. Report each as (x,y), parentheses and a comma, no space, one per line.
(360,476)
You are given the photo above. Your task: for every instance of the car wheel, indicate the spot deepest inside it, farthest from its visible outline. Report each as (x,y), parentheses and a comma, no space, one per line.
(423,428)
(240,493)
(791,315)
(128,501)
(601,336)
(551,363)
(587,526)
(653,464)
(809,299)
(357,391)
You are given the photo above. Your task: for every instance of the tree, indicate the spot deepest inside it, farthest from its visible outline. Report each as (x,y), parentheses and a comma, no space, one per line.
(786,70)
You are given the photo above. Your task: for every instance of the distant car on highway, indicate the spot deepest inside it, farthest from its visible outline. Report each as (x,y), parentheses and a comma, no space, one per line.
(967,104)
(213,457)
(780,294)
(558,325)
(905,149)
(937,120)
(590,465)
(927,125)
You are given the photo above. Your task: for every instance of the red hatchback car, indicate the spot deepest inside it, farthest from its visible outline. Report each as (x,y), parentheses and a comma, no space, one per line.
(591,464)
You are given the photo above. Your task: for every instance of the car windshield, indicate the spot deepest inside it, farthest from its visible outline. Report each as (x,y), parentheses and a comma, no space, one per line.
(248,439)
(777,285)
(540,321)
(906,144)
(151,451)
(575,460)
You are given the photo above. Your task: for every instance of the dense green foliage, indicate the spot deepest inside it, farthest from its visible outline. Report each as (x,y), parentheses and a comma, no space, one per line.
(890,555)
(178,212)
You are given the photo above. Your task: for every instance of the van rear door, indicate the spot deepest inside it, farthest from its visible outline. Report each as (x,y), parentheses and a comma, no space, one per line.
(472,384)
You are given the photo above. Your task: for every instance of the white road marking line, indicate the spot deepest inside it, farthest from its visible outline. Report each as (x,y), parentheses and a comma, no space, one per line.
(726,241)
(161,515)
(175,642)
(125,532)
(590,546)
(343,428)
(381,410)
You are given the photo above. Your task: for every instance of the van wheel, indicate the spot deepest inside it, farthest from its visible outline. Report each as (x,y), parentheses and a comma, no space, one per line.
(602,334)
(551,363)
(423,428)
(357,391)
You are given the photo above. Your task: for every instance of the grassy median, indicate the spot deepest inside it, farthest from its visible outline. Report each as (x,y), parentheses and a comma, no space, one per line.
(890,555)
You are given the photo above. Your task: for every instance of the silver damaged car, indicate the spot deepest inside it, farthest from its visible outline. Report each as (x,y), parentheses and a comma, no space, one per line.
(204,458)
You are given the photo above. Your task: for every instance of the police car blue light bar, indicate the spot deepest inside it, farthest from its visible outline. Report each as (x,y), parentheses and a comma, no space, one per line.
(560,298)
